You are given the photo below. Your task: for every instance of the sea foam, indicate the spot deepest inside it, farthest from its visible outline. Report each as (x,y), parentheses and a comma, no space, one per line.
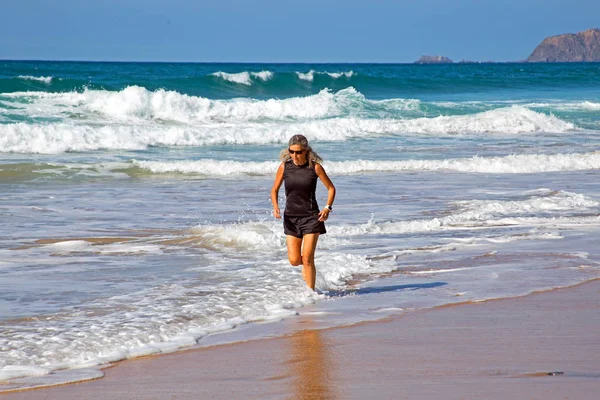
(532,211)
(135,118)
(159,319)
(137,104)
(60,137)
(567,106)
(244,78)
(310,75)
(512,164)
(213,168)
(346,109)
(167,317)
(45,79)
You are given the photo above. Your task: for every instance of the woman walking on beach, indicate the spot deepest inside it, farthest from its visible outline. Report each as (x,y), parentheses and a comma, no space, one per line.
(303,221)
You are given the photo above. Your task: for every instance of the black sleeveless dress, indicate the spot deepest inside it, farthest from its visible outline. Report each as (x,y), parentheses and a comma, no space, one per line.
(301,215)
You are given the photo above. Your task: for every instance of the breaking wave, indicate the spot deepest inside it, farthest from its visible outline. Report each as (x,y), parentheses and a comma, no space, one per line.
(135,118)
(45,79)
(543,207)
(310,75)
(136,104)
(512,164)
(244,78)
(52,138)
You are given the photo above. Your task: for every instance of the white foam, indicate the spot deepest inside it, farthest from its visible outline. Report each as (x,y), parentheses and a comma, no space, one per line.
(395,105)
(556,201)
(142,351)
(244,78)
(211,167)
(46,79)
(265,236)
(170,316)
(567,106)
(62,137)
(530,236)
(161,319)
(310,75)
(55,138)
(484,213)
(137,104)
(51,379)
(127,248)
(590,105)
(263,75)
(336,75)
(69,246)
(9,372)
(335,269)
(135,118)
(512,164)
(513,119)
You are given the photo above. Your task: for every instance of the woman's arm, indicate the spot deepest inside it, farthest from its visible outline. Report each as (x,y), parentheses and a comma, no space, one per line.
(324,214)
(275,191)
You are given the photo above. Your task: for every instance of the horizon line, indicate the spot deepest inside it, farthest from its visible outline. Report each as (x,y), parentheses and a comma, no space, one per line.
(280,62)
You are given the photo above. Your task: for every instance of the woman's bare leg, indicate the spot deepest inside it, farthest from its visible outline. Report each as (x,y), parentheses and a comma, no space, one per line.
(294,246)
(309,272)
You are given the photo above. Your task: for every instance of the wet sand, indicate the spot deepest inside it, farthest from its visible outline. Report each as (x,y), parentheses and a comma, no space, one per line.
(542,346)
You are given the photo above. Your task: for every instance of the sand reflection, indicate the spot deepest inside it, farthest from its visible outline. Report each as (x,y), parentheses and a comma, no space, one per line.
(310,366)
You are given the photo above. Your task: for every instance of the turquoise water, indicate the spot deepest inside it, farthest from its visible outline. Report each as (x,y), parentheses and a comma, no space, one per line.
(135,198)
(511,81)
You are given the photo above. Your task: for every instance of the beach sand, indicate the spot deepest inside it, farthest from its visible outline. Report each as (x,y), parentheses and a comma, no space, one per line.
(499,349)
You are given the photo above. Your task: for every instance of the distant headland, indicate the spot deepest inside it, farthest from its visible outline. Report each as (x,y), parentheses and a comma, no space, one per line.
(569,47)
(434,60)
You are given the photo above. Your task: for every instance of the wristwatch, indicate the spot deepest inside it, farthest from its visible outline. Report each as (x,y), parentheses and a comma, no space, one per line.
(329,207)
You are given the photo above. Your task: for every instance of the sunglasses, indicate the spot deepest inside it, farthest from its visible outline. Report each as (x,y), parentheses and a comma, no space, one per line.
(296,151)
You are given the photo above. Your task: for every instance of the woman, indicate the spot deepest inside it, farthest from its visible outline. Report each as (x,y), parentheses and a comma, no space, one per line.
(303,222)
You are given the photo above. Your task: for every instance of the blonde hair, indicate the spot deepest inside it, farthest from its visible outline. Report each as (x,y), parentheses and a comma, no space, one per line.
(301,140)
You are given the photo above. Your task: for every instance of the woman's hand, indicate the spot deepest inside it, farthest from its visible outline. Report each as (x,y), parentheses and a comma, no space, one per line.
(276,212)
(324,214)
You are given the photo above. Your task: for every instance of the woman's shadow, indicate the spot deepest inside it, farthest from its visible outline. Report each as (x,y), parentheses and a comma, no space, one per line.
(382,289)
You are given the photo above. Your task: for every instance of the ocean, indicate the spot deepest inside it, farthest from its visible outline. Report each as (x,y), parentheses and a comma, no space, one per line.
(135,199)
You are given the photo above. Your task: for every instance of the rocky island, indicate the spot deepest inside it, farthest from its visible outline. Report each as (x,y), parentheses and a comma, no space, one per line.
(570,47)
(433,60)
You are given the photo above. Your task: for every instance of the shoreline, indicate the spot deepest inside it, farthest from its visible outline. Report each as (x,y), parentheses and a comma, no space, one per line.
(494,346)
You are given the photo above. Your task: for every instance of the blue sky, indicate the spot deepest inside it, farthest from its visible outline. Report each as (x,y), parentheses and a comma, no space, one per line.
(285,31)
